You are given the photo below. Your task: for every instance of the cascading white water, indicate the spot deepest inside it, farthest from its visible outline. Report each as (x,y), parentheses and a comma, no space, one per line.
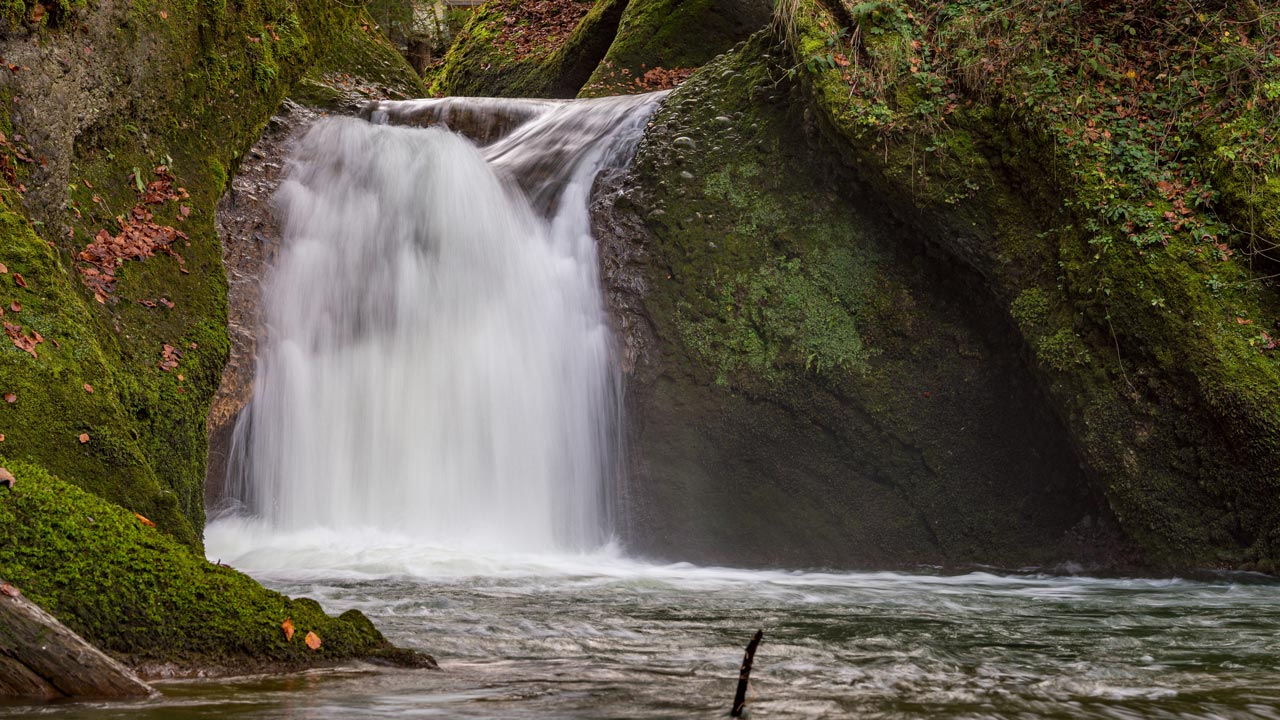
(436,360)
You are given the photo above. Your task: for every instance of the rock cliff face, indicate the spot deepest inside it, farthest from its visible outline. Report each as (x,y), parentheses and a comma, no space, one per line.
(122,123)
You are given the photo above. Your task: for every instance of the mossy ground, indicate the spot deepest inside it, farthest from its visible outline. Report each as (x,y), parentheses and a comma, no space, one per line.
(1074,183)
(138,594)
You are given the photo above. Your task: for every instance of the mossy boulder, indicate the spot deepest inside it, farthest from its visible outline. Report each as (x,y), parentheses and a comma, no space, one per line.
(152,602)
(511,48)
(668,39)
(809,384)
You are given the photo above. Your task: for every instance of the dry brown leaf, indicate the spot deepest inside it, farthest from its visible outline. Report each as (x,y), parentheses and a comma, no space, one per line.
(144,521)
(287,627)
(84,438)
(3,268)
(21,281)
(37,13)
(15,306)
(10,398)
(88,388)
(20,339)
(313,641)
(6,478)
(9,590)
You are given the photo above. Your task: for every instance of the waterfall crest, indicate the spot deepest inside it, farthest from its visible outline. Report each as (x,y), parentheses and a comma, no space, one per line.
(436,360)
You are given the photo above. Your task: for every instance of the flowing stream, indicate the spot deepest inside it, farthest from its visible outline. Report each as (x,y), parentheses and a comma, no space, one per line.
(433,442)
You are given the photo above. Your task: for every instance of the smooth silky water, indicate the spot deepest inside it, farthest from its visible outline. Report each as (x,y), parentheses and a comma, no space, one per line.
(433,442)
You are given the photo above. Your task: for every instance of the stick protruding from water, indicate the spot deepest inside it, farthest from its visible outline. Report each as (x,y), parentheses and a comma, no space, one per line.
(744,675)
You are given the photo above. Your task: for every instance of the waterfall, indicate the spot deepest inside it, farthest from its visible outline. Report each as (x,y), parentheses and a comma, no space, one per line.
(436,359)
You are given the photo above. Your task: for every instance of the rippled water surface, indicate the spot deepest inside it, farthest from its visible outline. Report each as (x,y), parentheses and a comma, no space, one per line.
(598,636)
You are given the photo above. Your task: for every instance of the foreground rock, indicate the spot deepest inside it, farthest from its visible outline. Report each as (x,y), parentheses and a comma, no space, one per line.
(154,604)
(40,658)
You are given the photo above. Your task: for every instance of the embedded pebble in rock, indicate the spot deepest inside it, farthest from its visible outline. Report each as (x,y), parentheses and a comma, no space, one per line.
(685,143)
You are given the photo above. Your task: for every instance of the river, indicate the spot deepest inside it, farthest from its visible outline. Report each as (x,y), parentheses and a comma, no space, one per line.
(601,636)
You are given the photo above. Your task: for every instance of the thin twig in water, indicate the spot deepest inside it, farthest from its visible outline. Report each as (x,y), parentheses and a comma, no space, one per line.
(744,675)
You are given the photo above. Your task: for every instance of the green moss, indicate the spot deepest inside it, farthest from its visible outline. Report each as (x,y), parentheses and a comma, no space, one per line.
(1061,351)
(136,593)
(1030,309)
(779,315)
(53,407)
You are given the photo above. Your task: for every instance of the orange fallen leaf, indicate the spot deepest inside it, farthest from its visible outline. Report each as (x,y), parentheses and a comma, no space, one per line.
(84,438)
(6,478)
(10,398)
(287,627)
(9,590)
(21,281)
(144,521)
(164,15)
(88,388)
(3,269)
(37,12)
(313,641)
(15,306)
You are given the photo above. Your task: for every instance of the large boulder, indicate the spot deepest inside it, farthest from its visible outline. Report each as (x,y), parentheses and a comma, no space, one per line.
(809,382)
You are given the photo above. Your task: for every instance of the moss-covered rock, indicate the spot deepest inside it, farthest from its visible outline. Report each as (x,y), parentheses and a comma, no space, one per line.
(670,38)
(1111,255)
(810,385)
(507,51)
(136,593)
(101,101)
